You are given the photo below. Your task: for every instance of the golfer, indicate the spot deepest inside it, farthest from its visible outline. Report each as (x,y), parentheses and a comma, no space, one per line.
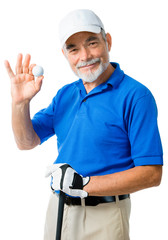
(107,134)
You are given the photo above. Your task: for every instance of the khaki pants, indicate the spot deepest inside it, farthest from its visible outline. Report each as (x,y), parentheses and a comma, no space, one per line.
(107,221)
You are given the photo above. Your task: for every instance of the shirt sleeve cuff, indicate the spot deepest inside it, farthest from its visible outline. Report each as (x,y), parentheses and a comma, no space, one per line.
(154,160)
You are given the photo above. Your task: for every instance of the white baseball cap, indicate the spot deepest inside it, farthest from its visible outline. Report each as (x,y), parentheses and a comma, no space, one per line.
(81,20)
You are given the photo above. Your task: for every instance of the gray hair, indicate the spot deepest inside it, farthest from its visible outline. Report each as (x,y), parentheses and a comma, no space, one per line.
(103,34)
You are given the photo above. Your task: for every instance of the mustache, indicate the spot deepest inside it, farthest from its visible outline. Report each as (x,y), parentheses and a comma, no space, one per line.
(92,61)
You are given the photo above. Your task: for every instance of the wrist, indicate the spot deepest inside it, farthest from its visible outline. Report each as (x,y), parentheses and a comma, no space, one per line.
(86,186)
(21,104)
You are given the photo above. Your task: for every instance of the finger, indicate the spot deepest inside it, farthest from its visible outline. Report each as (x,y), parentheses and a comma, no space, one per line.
(56,179)
(26,63)
(19,67)
(9,69)
(51,169)
(31,68)
(38,84)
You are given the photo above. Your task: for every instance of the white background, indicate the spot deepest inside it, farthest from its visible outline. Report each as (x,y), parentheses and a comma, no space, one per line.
(140,45)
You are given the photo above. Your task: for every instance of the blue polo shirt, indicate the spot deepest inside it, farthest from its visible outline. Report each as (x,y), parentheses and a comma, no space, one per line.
(111,129)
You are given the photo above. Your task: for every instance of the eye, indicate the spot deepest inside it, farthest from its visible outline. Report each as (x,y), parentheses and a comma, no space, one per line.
(73,50)
(93,44)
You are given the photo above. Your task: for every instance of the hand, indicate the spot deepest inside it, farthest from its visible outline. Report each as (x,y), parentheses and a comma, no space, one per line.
(23,84)
(65,178)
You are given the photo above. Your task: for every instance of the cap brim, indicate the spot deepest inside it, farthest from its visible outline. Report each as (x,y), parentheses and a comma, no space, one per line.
(93,29)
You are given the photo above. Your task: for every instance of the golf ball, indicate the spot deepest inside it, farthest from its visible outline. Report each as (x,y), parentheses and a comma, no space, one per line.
(37,71)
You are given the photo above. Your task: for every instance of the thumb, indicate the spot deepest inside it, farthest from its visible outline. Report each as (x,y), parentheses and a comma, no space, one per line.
(9,69)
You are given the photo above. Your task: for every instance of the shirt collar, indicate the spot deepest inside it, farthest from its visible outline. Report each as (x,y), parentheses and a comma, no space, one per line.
(114,79)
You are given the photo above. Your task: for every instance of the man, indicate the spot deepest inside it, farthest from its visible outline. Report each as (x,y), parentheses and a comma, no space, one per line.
(107,135)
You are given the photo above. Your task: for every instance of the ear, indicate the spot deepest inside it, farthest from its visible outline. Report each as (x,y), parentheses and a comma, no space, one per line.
(109,41)
(63,51)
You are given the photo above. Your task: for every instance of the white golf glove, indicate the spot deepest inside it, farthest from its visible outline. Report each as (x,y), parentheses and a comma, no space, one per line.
(65,178)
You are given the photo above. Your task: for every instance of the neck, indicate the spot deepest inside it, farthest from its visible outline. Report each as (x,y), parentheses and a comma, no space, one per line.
(101,79)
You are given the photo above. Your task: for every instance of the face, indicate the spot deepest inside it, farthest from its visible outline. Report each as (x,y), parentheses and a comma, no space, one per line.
(88,54)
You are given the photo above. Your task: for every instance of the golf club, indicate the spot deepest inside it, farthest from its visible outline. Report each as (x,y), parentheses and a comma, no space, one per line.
(60,215)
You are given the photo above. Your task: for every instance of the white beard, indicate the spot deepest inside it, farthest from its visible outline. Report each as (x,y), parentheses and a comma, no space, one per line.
(91,76)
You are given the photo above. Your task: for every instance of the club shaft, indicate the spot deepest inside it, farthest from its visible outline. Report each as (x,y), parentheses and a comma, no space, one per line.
(60,215)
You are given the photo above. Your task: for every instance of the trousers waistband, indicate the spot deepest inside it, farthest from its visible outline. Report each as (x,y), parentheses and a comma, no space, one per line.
(94,201)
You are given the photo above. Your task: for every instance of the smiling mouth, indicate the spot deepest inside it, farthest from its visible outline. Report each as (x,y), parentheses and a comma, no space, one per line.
(88,65)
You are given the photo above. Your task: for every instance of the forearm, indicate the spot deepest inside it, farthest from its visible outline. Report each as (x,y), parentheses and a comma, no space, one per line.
(24,134)
(125,182)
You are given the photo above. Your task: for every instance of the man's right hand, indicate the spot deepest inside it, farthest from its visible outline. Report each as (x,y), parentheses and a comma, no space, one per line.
(23,84)
(23,88)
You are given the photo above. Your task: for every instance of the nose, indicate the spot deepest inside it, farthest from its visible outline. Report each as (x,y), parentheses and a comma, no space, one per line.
(84,54)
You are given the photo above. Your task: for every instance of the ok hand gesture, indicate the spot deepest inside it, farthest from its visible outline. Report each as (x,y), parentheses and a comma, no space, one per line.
(23,84)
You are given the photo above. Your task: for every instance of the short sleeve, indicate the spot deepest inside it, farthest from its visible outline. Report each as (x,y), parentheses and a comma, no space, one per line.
(43,122)
(146,147)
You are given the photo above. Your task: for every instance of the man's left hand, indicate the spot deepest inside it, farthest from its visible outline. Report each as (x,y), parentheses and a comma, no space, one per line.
(66,179)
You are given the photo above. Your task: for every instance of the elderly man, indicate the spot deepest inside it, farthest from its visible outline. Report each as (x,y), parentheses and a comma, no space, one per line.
(107,134)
